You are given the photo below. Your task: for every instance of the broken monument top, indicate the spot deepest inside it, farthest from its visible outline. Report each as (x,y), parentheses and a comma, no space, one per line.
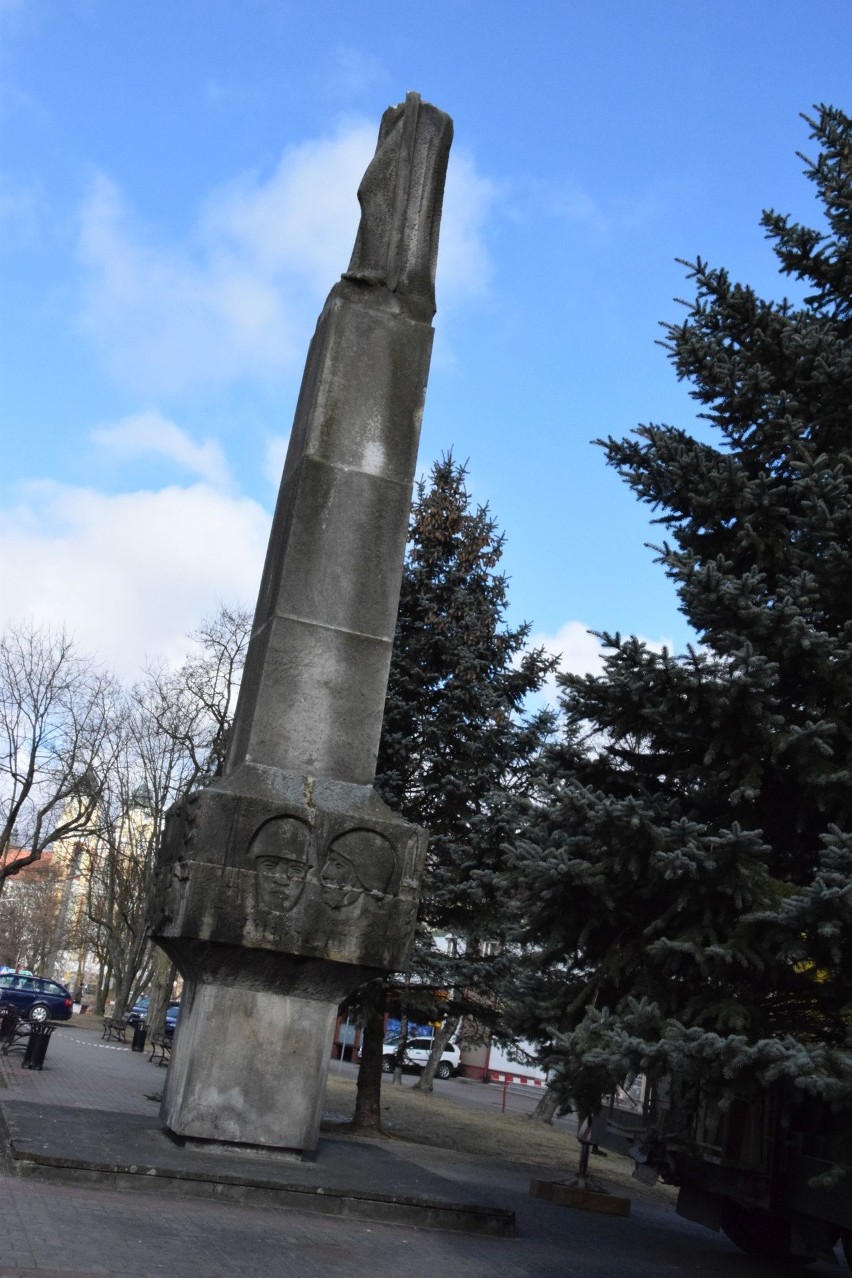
(401,197)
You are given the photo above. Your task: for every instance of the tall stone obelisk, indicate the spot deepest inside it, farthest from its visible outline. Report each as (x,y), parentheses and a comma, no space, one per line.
(287,882)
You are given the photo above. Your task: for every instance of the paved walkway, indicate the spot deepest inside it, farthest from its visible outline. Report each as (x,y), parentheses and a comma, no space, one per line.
(53,1229)
(81,1070)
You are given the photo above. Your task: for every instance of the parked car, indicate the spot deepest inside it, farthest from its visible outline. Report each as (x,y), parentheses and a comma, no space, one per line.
(172,1018)
(417,1054)
(36,997)
(139,1011)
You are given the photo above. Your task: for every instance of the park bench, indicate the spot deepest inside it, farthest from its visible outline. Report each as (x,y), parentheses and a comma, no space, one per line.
(14,1030)
(161,1047)
(114,1029)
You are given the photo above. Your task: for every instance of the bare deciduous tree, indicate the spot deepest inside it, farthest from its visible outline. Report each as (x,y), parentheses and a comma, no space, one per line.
(88,765)
(56,710)
(173,736)
(28,911)
(194,706)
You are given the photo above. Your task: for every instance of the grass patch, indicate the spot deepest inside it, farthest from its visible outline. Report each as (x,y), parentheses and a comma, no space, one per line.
(508,1139)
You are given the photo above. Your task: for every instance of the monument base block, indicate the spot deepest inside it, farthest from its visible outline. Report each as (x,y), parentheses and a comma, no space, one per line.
(276,896)
(250,1067)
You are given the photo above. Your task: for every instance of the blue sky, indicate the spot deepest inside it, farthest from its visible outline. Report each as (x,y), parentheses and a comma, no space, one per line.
(177,195)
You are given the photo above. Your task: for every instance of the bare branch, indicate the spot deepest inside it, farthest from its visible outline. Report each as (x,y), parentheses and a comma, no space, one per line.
(56,710)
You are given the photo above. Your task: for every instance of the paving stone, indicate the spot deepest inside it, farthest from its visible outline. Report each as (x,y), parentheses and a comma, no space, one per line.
(71,1231)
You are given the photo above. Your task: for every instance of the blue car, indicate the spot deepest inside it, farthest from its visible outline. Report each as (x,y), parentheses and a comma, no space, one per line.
(139,1012)
(172,1018)
(36,997)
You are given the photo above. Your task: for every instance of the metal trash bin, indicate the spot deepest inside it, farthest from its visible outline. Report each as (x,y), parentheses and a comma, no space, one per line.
(37,1042)
(140,1033)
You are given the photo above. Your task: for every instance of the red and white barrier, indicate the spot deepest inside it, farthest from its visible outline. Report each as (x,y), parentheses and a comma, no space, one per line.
(524,1079)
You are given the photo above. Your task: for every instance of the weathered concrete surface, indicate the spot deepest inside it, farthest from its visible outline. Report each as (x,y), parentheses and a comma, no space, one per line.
(330,589)
(566,1194)
(354,1179)
(287,883)
(227,1076)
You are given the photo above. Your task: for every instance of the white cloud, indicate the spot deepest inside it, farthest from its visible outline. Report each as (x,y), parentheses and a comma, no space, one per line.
(129,574)
(565,200)
(20,208)
(233,95)
(167,319)
(464,266)
(301,221)
(579,652)
(274,456)
(150,434)
(239,297)
(353,72)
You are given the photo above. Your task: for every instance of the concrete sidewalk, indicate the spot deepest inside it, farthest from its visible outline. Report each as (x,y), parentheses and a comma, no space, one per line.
(82,1071)
(120,1143)
(90,1093)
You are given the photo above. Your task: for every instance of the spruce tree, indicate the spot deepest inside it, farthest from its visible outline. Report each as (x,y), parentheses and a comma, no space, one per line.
(456,740)
(689,872)
(455,737)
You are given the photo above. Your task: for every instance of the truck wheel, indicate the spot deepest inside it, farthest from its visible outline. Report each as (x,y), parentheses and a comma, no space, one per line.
(444,1070)
(387,1064)
(759,1234)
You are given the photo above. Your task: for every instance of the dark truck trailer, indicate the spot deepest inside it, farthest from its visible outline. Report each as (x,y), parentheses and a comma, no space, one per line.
(774,1172)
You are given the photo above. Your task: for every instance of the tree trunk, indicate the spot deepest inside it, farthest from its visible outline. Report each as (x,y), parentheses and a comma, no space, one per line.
(439,1042)
(143,979)
(545,1110)
(368,1098)
(403,1030)
(59,939)
(104,976)
(401,1046)
(126,963)
(79,995)
(160,992)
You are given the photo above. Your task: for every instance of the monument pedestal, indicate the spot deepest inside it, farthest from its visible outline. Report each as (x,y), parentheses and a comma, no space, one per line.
(276,895)
(251,1068)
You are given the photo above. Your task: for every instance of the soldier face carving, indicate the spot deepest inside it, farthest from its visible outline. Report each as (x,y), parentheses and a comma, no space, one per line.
(280,849)
(358,867)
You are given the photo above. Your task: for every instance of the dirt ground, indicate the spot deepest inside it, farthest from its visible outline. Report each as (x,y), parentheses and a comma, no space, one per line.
(507,1138)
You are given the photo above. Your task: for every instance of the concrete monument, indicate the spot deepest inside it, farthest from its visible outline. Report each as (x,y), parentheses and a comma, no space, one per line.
(287,882)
